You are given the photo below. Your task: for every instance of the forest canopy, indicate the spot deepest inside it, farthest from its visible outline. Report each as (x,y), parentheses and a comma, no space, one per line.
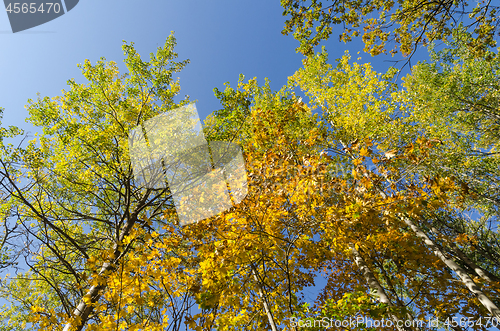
(404,23)
(388,192)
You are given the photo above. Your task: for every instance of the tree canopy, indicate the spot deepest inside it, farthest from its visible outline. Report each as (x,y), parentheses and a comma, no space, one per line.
(389,193)
(405,23)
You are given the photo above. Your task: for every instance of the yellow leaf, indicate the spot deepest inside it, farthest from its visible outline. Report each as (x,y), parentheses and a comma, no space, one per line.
(390,154)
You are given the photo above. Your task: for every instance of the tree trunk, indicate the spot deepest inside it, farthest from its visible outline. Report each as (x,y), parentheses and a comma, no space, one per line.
(468,282)
(84,310)
(484,274)
(264,299)
(479,271)
(374,284)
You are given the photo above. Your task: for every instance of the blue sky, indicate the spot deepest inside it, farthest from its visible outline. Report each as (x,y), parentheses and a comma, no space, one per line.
(223,39)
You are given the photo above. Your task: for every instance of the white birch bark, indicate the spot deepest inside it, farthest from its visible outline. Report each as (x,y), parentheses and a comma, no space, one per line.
(478,270)
(464,277)
(374,285)
(264,299)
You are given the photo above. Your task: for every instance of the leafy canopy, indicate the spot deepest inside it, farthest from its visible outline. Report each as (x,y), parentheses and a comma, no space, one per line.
(406,23)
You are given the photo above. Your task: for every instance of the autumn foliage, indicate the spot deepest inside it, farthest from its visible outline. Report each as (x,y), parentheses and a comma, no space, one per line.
(341,192)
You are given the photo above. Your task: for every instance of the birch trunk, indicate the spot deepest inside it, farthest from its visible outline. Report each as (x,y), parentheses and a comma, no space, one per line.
(84,310)
(471,264)
(464,277)
(479,271)
(374,284)
(264,299)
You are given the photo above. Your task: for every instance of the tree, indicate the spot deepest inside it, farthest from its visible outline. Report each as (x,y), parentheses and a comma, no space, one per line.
(361,104)
(406,23)
(355,209)
(454,97)
(243,260)
(79,202)
(349,193)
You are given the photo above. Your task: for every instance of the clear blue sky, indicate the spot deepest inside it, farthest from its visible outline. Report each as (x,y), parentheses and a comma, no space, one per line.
(222,38)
